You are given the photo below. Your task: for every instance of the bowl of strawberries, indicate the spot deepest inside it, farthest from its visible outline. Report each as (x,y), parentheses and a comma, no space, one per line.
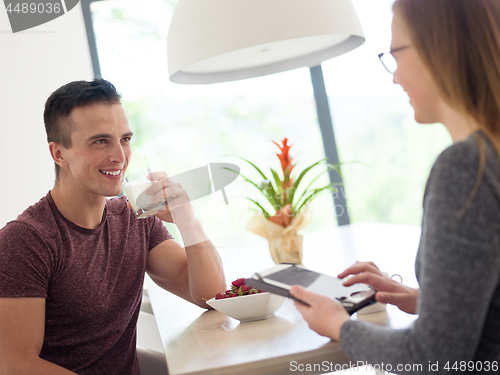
(245,304)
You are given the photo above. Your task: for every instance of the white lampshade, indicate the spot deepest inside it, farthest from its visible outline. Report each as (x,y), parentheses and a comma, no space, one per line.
(213,41)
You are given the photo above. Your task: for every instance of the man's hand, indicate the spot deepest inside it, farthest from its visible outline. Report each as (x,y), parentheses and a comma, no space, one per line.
(178,208)
(388,290)
(324,315)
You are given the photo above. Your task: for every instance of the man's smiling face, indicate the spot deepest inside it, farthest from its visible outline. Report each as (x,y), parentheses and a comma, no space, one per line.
(100,150)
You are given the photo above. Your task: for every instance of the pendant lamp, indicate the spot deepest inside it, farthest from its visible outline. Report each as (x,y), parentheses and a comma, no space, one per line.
(212,41)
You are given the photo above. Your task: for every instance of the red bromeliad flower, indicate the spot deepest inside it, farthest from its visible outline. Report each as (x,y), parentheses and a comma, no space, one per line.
(280,193)
(284,214)
(286,163)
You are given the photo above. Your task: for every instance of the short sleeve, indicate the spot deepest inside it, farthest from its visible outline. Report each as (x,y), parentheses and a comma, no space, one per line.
(25,262)
(158,234)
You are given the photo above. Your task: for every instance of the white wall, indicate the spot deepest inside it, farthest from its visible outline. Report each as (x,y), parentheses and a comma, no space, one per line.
(33,63)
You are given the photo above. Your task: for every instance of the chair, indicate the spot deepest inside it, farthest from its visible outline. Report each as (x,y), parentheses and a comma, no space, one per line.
(146,303)
(149,346)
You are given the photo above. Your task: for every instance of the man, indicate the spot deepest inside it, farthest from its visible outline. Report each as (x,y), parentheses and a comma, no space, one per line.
(72,265)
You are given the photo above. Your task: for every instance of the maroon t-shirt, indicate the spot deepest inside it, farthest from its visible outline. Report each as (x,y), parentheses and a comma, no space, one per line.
(91,280)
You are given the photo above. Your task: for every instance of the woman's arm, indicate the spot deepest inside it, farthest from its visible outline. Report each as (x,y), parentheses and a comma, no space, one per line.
(459,269)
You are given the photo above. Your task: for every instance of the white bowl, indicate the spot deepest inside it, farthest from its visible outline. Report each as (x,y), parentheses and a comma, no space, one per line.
(250,307)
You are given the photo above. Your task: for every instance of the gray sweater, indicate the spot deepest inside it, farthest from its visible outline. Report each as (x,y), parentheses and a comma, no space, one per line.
(458,270)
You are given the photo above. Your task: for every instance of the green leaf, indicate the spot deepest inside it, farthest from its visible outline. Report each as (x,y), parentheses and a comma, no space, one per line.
(267,192)
(270,191)
(266,214)
(245,178)
(279,186)
(260,208)
(330,167)
(277,179)
(253,165)
(295,185)
(311,197)
(337,165)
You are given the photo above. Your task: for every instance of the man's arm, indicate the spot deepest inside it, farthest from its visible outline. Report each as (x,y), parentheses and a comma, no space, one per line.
(22,328)
(194,273)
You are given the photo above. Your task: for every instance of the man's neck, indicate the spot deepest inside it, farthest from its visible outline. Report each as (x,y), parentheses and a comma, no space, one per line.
(83,210)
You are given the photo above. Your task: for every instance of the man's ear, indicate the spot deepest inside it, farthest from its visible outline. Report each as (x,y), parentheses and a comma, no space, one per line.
(57,153)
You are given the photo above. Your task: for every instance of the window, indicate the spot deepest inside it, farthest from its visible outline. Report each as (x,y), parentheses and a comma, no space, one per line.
(373,121)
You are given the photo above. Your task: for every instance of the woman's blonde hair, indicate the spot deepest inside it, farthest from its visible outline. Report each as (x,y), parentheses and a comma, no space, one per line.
(458,41)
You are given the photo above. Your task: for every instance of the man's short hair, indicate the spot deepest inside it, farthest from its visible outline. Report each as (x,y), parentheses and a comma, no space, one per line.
(58,123)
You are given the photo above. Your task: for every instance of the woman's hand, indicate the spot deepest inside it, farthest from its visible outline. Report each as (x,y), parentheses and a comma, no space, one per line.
(388,290)
(324,315)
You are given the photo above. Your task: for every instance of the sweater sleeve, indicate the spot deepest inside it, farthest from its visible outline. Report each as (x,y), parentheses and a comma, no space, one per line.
(458,272)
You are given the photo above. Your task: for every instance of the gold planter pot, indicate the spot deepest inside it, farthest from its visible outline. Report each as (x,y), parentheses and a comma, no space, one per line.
(285,244)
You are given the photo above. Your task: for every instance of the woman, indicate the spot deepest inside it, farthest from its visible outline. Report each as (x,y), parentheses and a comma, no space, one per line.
(448,62)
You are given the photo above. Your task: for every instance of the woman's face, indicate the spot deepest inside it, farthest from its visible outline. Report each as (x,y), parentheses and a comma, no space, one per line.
(414,78)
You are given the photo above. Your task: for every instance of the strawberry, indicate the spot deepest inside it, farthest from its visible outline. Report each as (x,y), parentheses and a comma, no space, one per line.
(244,289)
(239,282)
(237,288)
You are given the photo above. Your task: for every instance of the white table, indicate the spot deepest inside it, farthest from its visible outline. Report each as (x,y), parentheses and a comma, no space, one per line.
(197,341)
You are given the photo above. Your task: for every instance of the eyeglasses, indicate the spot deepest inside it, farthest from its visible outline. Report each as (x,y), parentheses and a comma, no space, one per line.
(388,61)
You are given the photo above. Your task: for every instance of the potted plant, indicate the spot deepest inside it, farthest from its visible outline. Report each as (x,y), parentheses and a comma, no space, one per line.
(284,191)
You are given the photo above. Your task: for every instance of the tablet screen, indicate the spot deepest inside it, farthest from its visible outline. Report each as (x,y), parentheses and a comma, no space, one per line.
(280,278)
(315,282)
(294,275)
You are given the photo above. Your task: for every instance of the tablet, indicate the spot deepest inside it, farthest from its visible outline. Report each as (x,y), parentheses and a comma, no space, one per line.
(279,279)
